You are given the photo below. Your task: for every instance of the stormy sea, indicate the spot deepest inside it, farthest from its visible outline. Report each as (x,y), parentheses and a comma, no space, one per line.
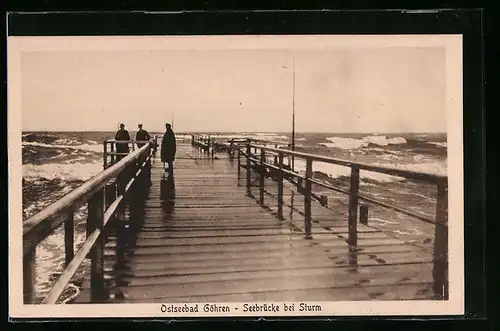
(54,163)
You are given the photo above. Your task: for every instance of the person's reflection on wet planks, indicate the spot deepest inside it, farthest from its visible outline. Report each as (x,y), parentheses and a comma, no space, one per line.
(142,137)
(167,194)
(168,150)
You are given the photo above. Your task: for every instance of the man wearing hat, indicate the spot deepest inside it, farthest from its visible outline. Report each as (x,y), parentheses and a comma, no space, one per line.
(141,135)
(168,149)
(122,147)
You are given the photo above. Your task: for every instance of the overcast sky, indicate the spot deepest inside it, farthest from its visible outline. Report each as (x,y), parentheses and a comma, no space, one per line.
(338,89)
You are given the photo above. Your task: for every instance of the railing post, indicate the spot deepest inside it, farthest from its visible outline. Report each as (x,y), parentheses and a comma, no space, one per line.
(110,195)
(231,148)
(363,214)
(105,155)
(300,185)
(69,238)
(212,150)
(96,218)
(121,182)
(239,165)
(29,276)
(112,144)
(307,198)
(261,178)
(440,269)
(280,186)
(249,182)
(353,215)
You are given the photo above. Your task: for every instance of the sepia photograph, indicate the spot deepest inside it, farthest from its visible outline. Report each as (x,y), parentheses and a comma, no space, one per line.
(249,175)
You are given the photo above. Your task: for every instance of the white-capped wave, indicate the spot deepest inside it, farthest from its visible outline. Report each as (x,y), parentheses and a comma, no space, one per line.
(335,171)
(261,136)
(301,139)
(352,143)
(86,147)
(439,144)
(63,171)
(66,141)
(266,134)
(385,151)
(182,136)
(435,167)
(383,141)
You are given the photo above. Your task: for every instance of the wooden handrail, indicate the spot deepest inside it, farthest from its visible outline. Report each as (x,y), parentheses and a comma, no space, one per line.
(109,141)
(58,288)
(440,271)
(42,224)
(415,175)
(39,226)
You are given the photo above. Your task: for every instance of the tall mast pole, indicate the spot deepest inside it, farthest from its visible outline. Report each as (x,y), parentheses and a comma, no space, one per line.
(293,115)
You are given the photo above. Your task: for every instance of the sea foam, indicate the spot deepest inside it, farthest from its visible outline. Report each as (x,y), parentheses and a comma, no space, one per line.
(352,143)
(439,144)
(336,171)
(62,171)
(96,148)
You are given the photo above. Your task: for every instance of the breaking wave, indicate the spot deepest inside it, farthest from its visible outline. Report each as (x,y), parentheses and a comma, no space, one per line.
(352,143)
(62,171)
(96,148)
(439,144)
(337,171)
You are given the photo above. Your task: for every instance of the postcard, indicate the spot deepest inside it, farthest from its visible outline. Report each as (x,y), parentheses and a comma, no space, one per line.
(237,175)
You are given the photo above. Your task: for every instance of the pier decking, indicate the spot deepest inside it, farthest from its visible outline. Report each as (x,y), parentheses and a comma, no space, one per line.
(235,223)
(202,238)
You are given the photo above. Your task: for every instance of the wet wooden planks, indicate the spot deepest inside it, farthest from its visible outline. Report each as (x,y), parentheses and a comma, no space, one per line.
(205,239)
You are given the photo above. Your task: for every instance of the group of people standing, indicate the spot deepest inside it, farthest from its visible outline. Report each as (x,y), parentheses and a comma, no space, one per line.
(142,137)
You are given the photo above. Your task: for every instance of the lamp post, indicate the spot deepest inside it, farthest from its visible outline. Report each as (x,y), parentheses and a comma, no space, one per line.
(293,115)
(293,111)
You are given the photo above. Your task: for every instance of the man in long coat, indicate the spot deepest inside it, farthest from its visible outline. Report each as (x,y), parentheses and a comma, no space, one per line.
(168,149)
(122,147)
(142,135)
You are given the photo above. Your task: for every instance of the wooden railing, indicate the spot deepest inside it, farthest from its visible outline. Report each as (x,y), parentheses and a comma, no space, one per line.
(210,146)
(257,158)
(106,195)
(110,150)
(204,143)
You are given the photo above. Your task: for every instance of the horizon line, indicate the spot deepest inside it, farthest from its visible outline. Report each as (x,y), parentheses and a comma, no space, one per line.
(218,131)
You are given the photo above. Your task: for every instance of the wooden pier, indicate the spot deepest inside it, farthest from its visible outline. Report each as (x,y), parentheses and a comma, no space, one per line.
(236,226)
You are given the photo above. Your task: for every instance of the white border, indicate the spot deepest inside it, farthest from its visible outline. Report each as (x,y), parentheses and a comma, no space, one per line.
(453,44)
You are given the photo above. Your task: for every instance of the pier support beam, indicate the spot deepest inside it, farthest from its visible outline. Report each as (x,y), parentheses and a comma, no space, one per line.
(280,186)
(239,166)
(353,215)
(363,214)
(29,276)
(96,220)
(249,179)
(112,145)
(105,155)
(307,198)
(110,198)
(440,270)
(69,239)
(261,178)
